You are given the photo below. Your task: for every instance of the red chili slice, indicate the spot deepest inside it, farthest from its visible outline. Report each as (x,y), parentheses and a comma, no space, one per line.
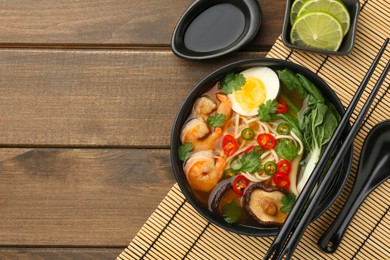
(281,180)
(281,107)
(283,166)
(267,141)
(229,145)
(239,184)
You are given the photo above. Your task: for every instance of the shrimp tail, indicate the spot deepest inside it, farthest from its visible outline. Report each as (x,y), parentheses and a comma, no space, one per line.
(225,107)
(209,142)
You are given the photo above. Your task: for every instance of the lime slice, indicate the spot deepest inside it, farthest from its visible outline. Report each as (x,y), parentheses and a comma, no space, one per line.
(295,7)
(333,7)
(318,30)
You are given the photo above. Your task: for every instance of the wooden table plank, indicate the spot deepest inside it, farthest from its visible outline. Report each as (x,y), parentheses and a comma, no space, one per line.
(59,253)
(84,98)
(79,197)
(109,22)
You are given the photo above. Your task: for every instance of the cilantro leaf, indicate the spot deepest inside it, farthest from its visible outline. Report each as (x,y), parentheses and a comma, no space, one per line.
(185,151)
(230,82)
(286,149)
(267,110)
(232,212)
(288,202)
(250,162)
(216,120)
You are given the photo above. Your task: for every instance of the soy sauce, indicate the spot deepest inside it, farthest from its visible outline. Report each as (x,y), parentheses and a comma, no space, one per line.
(215,28)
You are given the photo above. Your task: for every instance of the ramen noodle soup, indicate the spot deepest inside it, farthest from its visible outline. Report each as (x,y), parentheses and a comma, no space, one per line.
(252,141)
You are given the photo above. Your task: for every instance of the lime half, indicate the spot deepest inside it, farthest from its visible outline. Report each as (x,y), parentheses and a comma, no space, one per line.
(333,7)
(295,7)
(318,30)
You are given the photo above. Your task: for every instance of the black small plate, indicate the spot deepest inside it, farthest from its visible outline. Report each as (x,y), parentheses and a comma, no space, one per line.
(346,47)
(212,28)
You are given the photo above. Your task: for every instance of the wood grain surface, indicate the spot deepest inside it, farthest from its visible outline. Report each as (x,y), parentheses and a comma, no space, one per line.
(110,23)
(79,197)
(88,94)
(59,253)
(89,98)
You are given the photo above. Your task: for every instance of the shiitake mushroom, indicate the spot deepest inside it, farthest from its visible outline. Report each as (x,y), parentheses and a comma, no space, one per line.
(263,203)
(216,196)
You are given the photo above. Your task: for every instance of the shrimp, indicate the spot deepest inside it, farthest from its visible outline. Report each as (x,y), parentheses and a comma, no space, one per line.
(225,107)
(208,142)
(204,106)
(196,131)
(203,170)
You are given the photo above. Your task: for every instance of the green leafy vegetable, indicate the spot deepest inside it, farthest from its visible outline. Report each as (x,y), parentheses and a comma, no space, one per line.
(286,149)
(250,162)
(216,120)
(317,122)
(334,111)
(318,126)
(232,212)
(291,81)
(311,88)
(288,202)
(185,151)
(267,110)
(230,82)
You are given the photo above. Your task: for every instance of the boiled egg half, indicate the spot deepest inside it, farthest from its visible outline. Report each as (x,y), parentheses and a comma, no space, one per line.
(261,84)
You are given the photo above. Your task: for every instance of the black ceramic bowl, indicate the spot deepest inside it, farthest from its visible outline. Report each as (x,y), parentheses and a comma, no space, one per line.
(346,47)
(185,111)
(213,28)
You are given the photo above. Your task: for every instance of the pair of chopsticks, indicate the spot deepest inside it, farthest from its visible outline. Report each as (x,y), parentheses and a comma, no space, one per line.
(299,218)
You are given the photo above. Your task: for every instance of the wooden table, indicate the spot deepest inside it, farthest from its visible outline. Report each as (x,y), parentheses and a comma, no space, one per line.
(88,94)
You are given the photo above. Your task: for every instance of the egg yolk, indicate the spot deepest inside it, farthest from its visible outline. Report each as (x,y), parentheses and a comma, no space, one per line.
(252,94)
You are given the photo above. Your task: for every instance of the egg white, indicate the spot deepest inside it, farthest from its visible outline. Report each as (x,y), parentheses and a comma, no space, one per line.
(268,89)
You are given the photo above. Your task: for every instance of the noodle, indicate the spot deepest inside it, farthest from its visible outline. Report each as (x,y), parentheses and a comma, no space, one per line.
(265,127)
(236,125)
(286,137)
(299,142)
(275,155)
(256,177)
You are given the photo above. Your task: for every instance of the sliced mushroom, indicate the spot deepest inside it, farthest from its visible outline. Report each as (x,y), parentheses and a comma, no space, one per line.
(263,204)
(217,194)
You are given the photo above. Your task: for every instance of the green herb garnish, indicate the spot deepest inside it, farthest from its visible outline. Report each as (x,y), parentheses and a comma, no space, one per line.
(288,202)
(216,120)
(250,162)
(230,82)
(286,149)
(185,151)
(232,212)
(267,110)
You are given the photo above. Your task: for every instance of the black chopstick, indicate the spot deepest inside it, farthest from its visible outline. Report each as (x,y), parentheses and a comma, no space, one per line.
(277,250)
(327,181)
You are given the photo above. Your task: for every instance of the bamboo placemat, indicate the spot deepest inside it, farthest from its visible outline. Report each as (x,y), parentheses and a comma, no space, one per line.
(176,231)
